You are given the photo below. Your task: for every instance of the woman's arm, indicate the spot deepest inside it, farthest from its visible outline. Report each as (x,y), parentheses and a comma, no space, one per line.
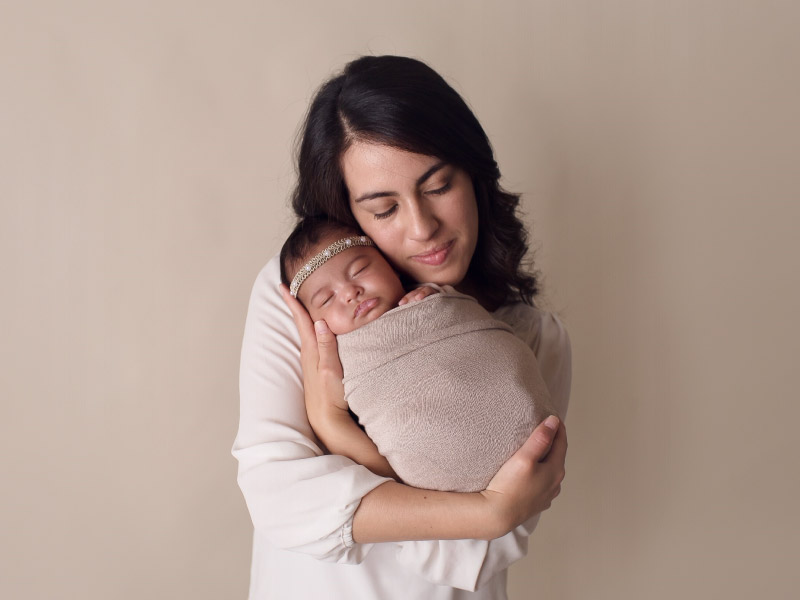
(395,512)
(299,498)
(345,438)
(304,500)
(523,487)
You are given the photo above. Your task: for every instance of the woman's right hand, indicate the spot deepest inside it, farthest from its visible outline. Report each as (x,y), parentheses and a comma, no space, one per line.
(322,369)
(528,481)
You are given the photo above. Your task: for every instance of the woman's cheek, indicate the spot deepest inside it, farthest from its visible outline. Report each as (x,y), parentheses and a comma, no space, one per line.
(389,242)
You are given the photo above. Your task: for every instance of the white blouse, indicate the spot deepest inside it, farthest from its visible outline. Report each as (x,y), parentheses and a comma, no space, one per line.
(302,501)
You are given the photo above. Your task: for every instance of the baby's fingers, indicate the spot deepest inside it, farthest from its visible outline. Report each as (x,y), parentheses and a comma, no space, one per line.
(424,292)
(417,294)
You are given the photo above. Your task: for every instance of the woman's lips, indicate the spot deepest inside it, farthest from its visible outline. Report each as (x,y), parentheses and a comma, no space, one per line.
(364,307)
(436,256)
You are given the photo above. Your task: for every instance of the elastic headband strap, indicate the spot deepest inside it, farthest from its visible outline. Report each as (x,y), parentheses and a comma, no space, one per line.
(320,259)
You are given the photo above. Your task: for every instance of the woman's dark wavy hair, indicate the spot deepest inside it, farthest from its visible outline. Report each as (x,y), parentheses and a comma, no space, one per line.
(403,103)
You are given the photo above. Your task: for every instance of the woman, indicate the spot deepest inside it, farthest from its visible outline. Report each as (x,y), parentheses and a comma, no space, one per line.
(390,147)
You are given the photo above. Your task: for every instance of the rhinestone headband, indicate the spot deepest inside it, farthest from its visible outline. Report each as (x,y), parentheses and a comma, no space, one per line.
(320,259)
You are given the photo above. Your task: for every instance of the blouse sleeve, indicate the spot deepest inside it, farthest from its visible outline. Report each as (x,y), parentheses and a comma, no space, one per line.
(469,564)
(299,498)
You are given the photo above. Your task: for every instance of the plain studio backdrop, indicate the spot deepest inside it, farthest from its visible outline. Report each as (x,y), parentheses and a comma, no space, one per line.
(145,162)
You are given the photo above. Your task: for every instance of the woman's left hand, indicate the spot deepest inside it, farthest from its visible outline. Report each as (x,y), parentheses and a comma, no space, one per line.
(322,369)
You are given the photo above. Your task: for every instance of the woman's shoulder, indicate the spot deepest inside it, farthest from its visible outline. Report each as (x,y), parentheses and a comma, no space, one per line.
(269,322)
(535,326)
(269,276)
(546,335)
(265,294)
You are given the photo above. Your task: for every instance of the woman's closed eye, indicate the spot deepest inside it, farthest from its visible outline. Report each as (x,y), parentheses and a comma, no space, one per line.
(387,213)
(435,192)
(442,190)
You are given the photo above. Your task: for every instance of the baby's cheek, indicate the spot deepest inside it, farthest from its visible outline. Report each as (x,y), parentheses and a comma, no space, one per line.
(316,314)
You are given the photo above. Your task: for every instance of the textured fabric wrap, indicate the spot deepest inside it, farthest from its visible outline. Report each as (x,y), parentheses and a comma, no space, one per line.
(445,391)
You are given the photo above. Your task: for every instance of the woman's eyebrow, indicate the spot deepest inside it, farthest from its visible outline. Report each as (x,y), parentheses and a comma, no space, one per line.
(420,180)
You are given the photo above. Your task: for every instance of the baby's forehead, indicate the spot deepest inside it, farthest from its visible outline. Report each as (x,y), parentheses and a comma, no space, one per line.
(336,264)
(311,249)
(340,261)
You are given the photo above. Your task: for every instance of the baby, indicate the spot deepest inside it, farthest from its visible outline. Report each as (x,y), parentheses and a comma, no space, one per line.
(445,392)
(339,278)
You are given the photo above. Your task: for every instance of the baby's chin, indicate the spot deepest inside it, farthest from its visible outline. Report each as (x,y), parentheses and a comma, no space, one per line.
(342,328)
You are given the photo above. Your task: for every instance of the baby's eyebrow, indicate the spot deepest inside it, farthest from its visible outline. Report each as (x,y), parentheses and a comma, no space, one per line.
(315,294)
(361,254)
(356,256)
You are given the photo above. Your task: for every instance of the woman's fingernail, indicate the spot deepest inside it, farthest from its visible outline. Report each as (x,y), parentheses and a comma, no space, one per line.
(551,422)
(321,326)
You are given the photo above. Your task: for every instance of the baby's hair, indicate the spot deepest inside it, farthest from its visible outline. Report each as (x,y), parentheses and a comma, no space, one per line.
(299,245)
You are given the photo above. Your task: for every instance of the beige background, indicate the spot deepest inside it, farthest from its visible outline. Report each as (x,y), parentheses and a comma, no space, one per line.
(144,164)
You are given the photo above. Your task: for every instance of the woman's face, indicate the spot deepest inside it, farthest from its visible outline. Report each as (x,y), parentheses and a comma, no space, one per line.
(420,211)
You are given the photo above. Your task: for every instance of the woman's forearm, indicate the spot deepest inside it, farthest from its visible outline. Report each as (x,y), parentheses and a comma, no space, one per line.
(395,512)
(524,486)
(341,435)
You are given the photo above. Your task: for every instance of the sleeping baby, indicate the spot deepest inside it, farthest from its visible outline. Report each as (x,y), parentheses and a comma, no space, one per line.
(445,392)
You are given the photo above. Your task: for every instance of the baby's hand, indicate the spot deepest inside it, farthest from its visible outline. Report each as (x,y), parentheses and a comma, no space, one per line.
(417,294)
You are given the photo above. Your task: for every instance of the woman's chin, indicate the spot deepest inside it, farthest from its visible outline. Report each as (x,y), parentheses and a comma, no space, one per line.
(438,275)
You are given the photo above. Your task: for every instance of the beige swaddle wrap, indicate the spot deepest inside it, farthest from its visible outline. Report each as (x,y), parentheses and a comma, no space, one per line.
(445,391)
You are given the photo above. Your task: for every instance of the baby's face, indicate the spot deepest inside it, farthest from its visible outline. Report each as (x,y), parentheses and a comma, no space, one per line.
(351,289)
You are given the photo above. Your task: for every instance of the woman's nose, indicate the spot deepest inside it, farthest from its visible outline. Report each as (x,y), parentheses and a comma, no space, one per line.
(422,223)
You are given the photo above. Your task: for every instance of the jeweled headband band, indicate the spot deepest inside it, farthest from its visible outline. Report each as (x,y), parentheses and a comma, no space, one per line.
(320,259)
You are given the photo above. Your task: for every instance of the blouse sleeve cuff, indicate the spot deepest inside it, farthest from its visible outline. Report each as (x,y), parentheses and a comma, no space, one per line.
(347,534)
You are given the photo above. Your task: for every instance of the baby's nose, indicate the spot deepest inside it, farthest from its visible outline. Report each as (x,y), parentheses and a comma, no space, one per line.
(351,292)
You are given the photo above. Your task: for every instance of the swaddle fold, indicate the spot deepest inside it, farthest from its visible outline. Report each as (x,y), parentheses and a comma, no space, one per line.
(446,392)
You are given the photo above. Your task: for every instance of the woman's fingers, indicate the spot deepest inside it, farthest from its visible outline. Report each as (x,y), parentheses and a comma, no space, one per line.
(329,368)
(552,454)
(328,350)
(558,450)
(322,369)
(315,338)
(527,483)
(539,443)
(308,339)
